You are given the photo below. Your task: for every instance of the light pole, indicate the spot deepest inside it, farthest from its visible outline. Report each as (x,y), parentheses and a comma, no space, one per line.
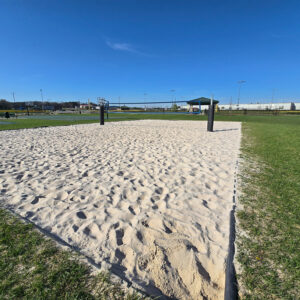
(273,92)
(172,95)
(13,94)
(240,84)
(42,99)
(145,97)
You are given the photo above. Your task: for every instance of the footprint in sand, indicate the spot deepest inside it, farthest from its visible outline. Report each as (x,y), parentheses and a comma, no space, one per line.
(75,228)
(131,210)
(142,263)
(119,255)
(119,236)
(81,215)
(154,198)
(140,237)
(29,214)
(159,190)
(36,199)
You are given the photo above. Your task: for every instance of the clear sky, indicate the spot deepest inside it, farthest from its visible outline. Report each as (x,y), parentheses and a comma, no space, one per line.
(143,49)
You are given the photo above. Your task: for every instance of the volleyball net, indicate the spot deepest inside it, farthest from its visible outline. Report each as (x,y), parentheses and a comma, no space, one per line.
(181,106)
(159,107)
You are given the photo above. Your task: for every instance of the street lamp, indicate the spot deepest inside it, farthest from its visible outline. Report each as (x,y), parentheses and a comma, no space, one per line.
(42,99)
(240,84)
(145,98)
(172,95)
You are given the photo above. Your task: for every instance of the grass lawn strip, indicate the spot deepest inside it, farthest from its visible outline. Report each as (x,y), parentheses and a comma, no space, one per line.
(269,218)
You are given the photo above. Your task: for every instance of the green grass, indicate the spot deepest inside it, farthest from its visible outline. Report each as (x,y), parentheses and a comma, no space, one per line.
(268,251)
(32,267)
(14,124)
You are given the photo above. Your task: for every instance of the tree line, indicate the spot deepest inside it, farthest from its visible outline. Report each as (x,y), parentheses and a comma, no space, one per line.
(37,105)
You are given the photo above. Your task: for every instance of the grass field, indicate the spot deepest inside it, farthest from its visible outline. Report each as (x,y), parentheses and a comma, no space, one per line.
(268,245)
(71,119)
(270,177)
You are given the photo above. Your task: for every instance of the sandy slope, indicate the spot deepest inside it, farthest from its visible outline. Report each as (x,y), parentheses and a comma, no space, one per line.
(148,199)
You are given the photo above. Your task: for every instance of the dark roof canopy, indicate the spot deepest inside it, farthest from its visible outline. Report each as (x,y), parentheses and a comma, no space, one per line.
(203,100)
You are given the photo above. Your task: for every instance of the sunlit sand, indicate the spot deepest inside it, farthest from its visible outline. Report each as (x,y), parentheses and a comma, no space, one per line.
(148,200)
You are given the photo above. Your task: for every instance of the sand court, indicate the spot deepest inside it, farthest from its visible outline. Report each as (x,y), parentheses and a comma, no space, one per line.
(149,200)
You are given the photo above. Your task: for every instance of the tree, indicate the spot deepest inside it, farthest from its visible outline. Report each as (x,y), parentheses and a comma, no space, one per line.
(174,107)
(5,104)
(293,106)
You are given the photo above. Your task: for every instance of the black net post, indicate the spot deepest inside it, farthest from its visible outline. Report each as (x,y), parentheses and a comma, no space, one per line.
(102,114)
(211,116)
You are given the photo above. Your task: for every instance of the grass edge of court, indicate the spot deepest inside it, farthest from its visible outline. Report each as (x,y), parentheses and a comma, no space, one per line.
(266,259)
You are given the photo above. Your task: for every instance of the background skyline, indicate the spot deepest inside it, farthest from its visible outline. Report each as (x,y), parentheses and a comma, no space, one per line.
(142,50)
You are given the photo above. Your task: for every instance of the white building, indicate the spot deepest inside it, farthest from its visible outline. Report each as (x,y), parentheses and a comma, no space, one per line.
(257,106)
(260,106)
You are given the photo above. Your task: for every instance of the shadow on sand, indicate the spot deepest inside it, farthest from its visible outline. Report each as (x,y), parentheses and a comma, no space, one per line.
(226,129)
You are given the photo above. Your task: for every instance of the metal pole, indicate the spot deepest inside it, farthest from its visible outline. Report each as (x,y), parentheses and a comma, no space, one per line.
(240,84)
(238,102)
(145,98)
(13,94)
(102,114)
(211,114)
(42,99)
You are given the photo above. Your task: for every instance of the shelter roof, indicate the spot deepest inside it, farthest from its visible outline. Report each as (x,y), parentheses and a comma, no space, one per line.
(203,100)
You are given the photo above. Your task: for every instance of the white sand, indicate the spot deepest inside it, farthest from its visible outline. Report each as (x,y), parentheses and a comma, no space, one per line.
(149,200)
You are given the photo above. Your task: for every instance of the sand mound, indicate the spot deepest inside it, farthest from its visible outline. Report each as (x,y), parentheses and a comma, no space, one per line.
(149,200)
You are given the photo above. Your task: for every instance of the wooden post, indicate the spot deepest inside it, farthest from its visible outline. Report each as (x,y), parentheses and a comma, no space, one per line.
(211,115)
(102,114)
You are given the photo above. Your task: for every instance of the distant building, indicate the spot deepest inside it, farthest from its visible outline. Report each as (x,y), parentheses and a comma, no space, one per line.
(257,106)
(261,106)
(88,106)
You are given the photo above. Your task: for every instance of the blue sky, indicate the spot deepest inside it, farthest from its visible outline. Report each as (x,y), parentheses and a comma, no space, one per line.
(143,49)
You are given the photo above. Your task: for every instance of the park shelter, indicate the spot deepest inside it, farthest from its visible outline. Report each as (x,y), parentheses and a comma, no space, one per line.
(200,101)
